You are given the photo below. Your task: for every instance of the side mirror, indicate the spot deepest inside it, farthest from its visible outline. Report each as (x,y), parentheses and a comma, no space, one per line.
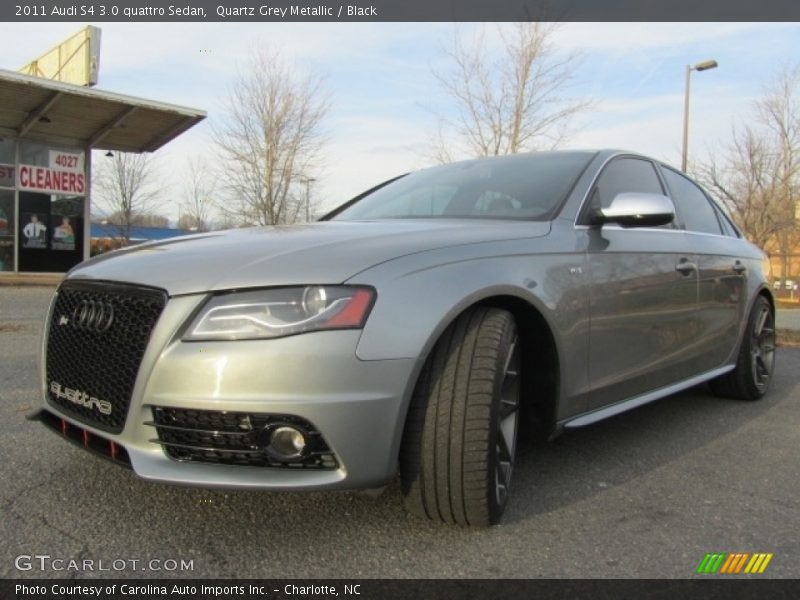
(635,209)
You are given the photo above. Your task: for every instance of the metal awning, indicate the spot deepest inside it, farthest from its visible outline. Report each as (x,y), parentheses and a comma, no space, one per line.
(64,114)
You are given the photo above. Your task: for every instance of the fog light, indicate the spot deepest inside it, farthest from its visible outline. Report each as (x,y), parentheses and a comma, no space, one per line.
(287,442)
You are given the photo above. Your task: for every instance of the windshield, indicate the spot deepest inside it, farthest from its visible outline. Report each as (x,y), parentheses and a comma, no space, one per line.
(522,186)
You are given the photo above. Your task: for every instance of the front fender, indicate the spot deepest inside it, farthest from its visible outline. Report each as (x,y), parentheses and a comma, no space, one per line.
(420,295)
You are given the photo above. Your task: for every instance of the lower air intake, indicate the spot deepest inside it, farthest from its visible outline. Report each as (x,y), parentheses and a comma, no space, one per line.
(84,438)
(235,438)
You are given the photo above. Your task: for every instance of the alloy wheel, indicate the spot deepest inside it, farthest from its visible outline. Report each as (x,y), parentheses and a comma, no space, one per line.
(507,424)
(762,347)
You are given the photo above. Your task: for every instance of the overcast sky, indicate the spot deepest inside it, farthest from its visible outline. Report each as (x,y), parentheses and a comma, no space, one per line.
(384,96)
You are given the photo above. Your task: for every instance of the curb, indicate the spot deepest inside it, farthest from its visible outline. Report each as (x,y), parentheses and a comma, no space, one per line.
(48,280)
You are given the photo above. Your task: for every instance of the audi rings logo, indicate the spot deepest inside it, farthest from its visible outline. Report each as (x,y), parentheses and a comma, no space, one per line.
(91,315)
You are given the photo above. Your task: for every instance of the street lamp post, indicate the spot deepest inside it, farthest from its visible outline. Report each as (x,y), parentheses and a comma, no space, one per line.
(309,181)
(703,66)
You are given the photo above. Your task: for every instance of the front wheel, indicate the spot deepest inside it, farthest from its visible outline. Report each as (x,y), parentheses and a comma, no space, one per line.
(756,361)
(459,443)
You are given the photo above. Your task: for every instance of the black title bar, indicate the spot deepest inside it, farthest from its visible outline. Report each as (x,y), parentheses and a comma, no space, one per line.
(707,588)
(400,10)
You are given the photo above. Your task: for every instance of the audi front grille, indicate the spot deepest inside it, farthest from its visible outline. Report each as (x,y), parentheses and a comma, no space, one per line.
(98,334)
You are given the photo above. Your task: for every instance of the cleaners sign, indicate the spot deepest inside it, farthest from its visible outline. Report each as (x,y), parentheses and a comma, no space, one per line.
(51,181)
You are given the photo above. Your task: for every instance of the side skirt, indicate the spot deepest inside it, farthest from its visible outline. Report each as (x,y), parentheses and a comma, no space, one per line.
(620,407)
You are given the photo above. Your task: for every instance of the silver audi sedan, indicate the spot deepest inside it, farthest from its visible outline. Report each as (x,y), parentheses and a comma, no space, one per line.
(418,329)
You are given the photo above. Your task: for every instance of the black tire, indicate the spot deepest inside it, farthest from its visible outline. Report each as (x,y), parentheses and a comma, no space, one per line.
(756,361)
(455,463)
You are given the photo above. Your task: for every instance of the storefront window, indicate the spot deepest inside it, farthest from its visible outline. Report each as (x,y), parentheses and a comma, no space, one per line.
(7,151)
(6,230)
(66,223)
(54,157)
(32,153)
(7,163)
(50,232)
(42,206)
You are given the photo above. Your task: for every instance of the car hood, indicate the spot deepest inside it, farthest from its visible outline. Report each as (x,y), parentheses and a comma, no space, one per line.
(324,253)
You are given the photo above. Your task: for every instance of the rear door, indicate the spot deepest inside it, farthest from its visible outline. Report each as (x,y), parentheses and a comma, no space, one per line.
(722,273)
(643,294)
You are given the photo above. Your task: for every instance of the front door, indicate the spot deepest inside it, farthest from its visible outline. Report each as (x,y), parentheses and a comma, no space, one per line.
(644,286)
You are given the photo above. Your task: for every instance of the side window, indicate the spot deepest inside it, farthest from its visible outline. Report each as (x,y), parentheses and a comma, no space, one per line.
(727,227)
(624,175)
(692,204)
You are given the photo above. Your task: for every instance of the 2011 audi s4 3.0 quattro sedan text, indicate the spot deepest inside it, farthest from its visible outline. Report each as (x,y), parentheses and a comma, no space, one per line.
(419,329)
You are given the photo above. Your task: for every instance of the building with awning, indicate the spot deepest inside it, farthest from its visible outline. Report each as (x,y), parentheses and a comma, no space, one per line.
(47,131)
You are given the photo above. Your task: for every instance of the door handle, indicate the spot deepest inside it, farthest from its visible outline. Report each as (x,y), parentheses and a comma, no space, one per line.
(739,268)
(685,267)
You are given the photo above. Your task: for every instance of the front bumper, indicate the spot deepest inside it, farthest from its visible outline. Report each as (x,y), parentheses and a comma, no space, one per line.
(358,406)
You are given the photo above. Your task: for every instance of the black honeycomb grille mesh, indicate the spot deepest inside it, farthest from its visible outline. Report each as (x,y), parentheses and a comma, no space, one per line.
(100,360)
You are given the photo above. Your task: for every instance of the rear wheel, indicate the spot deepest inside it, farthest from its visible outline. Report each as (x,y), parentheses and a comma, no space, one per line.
(756,361)
(458,447)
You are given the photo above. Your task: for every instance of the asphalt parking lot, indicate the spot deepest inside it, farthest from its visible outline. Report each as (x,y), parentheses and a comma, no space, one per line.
(646,494)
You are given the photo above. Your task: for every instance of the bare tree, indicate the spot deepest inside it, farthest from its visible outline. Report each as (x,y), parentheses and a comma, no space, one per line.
(270,141)
(509,103)
(758,174)
(150,219)
(779,110)
(199,196)
(128,188)
(226,221)
(743,177)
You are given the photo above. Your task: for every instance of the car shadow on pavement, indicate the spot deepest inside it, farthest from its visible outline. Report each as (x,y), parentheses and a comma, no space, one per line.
(590,460)
(72,500)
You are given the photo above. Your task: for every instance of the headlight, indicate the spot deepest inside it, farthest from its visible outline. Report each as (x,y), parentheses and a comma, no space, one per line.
(279,312)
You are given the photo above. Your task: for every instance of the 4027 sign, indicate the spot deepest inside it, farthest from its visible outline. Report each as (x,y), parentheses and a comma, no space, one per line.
(66,161)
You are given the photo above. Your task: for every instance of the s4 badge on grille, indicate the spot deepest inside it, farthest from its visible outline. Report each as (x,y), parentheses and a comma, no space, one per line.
(80,398)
